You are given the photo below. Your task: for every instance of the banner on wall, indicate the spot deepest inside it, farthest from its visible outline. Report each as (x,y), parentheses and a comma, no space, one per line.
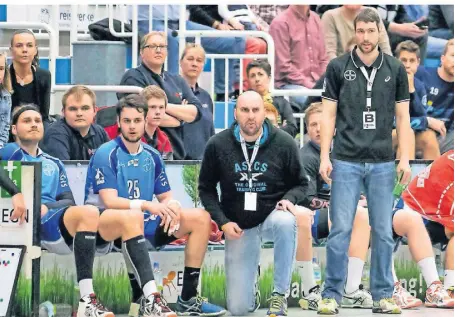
(87,14)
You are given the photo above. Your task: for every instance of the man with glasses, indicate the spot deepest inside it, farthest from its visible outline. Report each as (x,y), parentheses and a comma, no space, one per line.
(212,45)
(183,106)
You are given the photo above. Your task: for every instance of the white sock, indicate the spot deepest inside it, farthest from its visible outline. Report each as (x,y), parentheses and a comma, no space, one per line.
(355,270)
(395,278)
(429,270)
(307,275)
(149,288)
(86,287)
(448,278)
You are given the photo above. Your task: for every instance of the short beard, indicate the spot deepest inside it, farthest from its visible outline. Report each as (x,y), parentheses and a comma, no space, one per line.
(130,140)
(372,49)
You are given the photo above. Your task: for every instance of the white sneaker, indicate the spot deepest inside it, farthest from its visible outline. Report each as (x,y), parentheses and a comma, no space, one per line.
(155,306)
(360,298)
(436,296)
(403,298)
(89,306)
(310,302)
(386,306)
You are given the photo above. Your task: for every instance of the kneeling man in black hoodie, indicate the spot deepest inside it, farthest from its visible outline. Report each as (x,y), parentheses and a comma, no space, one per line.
(260,177)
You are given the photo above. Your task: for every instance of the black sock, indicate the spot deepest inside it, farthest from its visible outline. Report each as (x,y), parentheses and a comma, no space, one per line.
(136,250)
(190,282)
(135,287)
(84,247)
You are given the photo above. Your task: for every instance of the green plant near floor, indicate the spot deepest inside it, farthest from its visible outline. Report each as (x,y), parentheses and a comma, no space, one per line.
(59,286)
(190,176)
(112,287)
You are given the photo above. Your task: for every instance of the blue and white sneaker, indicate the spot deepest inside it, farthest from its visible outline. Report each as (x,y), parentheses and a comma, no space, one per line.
(198,306)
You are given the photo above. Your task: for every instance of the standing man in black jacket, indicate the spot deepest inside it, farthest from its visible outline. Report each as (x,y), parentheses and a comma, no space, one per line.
(260,182)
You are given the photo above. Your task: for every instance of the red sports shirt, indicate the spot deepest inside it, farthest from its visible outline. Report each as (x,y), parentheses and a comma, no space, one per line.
(431,192)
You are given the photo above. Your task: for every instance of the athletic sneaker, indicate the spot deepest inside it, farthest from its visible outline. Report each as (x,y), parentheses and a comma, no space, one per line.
(152,306)
(310,302)
(327,306)
(360,298)
(403,298)
(90,306)
(386,306)
(198,306)
(278,305)
(450,291)
(437,296)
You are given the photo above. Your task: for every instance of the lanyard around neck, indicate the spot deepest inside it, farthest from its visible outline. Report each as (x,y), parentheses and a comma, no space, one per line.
(253,156)
(370,81)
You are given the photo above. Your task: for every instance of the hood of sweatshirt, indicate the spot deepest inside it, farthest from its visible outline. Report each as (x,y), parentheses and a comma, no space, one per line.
(269,132)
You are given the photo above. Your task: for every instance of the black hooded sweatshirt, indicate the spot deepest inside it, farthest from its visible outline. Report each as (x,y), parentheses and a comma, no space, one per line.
(277,174)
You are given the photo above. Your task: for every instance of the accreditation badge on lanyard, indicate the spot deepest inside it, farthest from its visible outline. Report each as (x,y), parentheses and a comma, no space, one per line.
(369,117)
(250,197)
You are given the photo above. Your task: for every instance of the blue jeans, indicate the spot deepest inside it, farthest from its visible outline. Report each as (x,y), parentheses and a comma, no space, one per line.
(242,260)
(435,47)
(300,100)
(212,45)
(445,34)
(347,179)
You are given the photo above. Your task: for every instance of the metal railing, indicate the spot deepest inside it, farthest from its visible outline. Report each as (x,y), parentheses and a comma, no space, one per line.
(105,88)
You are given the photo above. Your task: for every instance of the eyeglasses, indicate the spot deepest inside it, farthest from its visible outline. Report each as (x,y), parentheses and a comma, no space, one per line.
(156,47)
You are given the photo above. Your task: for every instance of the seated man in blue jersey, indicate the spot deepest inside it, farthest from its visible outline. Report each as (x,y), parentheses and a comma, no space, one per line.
(123,176)
(425,140)
(439,85)
(65,227)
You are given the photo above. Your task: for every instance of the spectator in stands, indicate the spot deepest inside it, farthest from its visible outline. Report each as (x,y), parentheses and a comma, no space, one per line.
(317,226)
(400,27)
(65,227)
(140,207)
(157,101)
(182,103)
(268,12)
(272,114)
(208,15)
(240,17)
(320,83)
(76,136)
(300,58)
(30,83)
(198,133)
(339,29)
(439,85)
(408,53)
(5,100)
(441,21)
(253,200)
(213,45)
(258,72)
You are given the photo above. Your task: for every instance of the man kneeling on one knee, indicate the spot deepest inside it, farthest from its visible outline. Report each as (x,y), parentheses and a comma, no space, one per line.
(260,181)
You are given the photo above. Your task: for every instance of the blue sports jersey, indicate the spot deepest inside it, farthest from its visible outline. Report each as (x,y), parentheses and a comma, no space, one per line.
(54,179)
(440,96)
(134,176)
